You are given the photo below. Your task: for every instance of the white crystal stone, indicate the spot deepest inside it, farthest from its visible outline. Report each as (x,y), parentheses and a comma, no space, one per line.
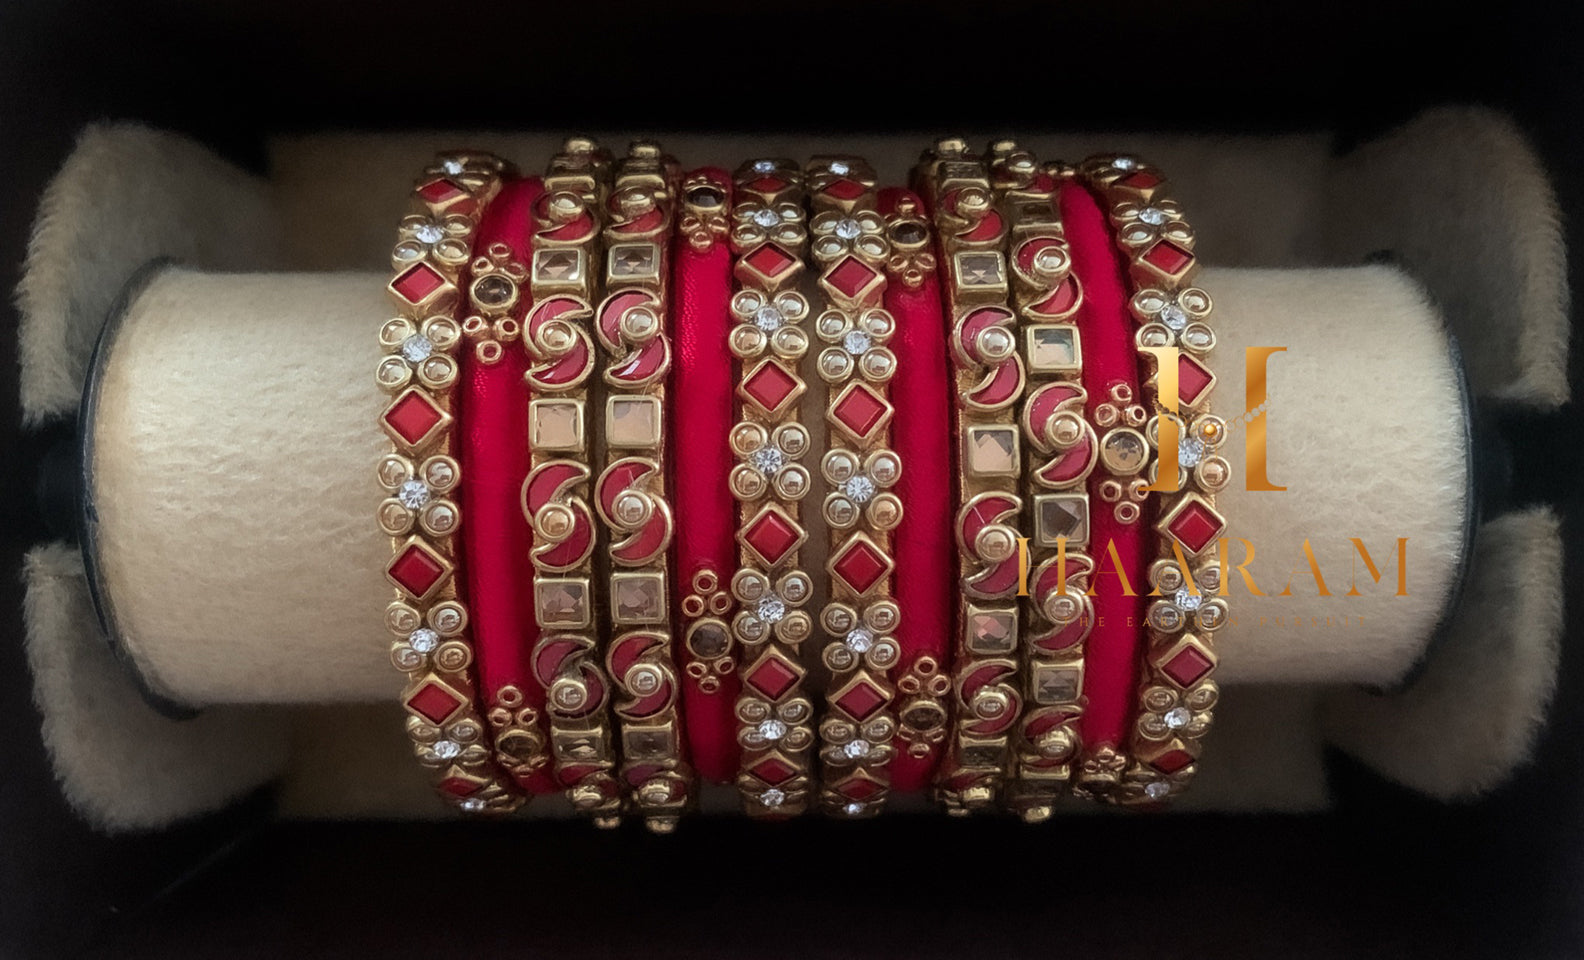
(446,749)
(853,809)
(1178,717)
(429,232)
(413,494)
(452,166)
(767,460)
(1154,216)
(859,489)
(771,610)
(848,229)
(472,804)
(423,639)
(766,218)
(1173,316)
(840,168)
(1124,163)
(857,748)
(764,166)
(860,640)
(772,797)
(1157,790)
(767,318)
(417,348)
(857,343)
(1190,450)
(1186,600)
(772,729)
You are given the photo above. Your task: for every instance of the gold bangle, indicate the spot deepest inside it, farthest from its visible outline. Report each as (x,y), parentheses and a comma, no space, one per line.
(1060,453)
(420,369)
(990,381)
(567,659)
(631,491)
(774,715)
(851,247)
(1176,693)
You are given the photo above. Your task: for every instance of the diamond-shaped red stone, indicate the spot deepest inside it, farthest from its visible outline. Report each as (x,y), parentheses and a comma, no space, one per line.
(434,702)
(844,189)
(440,190)
(418,282)
(770,260)
(771,385)
(412,416)
(1172,761)
(851,277)
(1193,379)
(772,677)
(459,786)
(1140,180)
(1188,666)
(861,565)
(773,535)
(1168,258)
(861,699)
(859,788)
(860,410)
(1196,525)
(416,570)
(773,770)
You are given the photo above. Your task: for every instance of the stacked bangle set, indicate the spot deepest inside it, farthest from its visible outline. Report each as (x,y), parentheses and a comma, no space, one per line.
(777,479)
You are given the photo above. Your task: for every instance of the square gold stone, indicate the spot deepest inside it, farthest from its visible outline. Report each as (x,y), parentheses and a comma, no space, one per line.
(1037,213)
(637,598)
(991,451)
(1056,683)
(560,269)
(990,631)
(980,754)
(562,602)
(575,745)
(633,422)
(953,173)
(555,425)
(656,742)
(980,270)
(630,262)
(1061,515)
(1054,348)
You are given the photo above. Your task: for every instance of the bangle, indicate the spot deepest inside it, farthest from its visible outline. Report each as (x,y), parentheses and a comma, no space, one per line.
(1060,452)
(851,246)
(631,491)
(774,716)
(990,380)
(1175,693)
(420,369)
(566,659)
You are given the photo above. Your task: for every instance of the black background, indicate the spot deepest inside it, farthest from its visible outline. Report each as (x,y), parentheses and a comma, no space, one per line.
(1387,874)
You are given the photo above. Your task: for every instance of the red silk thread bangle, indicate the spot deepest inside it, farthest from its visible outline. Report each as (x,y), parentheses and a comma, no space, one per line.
(496,538)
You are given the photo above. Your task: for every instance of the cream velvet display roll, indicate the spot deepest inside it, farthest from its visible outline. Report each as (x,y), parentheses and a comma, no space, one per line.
(234,435)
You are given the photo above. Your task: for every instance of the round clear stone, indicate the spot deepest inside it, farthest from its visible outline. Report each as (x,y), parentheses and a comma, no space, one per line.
(1186,600)
(859,641)
(1154,216)
(446,749)
(452,167)
(771,610)
(1177,717)
(766,218)
(848,229)
(1190,450)
(772,729)
(765,166)
(840,168)
(857,343)
(767,460)
(472,804)
(429,232)
(1124,163)
(857,748)
(1157,790)
(1174,316)
(853,809)
(423,640)
(417,348)
(413,494)
(859,489)
(772,797)
(767,318)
